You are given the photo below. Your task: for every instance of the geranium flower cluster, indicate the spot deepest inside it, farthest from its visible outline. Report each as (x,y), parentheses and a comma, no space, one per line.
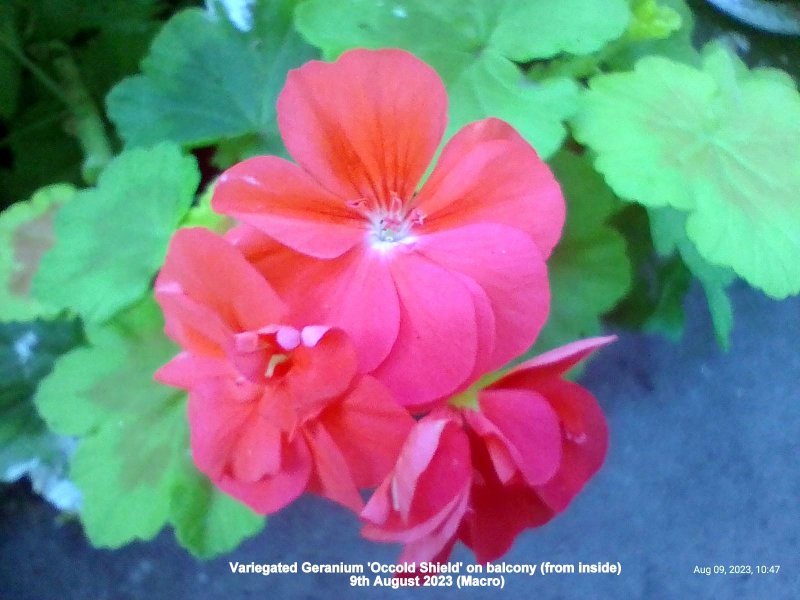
(346,335)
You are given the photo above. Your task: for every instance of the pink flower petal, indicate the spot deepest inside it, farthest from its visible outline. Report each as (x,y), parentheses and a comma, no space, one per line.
(498,512)
(216,421)
(257,451)
(192,325)
(213,274)
(439,542)
(321,373)
(585,443)
(552,364)
(528,427)
(369,428)
(432,474)
(280,199)
(270,494)
(187,370)
(511,271)
(365,126)
(355,293)
(332,477)
(486,329)
(416,454)
(412,530)
(488,174)
(505,466)
(437,344)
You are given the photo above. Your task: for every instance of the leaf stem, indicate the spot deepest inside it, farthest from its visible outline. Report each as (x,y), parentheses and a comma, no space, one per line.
(35,70)
(86,121)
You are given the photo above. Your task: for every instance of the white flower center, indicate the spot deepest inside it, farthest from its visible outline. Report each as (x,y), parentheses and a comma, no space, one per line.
(390,225)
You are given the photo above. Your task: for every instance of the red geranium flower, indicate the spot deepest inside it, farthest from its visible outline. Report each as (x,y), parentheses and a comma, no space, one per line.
(435,286)
(273,410)
(504,458)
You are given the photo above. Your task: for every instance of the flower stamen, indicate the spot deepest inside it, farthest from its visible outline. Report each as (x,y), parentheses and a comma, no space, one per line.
(274,361)
(388,223)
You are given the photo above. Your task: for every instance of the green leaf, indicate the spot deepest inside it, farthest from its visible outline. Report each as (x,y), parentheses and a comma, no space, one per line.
(589,270)
(134,429)
(132,464)
(535,29)
(668,228)
(472,46)
(204,81)
(111,239)
(207,521)
(449,34)
(26,232)
(125,472)
(91,383)
(720,143)
(494,86)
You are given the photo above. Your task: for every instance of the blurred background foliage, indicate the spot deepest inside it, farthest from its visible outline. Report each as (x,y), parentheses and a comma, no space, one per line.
(673,127)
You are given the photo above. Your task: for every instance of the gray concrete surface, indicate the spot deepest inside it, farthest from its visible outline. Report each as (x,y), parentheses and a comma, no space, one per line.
(702,471)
